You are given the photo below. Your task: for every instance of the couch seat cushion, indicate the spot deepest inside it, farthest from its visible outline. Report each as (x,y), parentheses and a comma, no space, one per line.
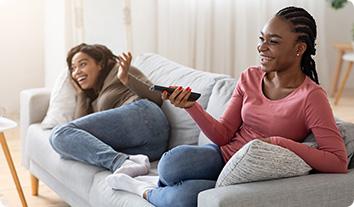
(75,175)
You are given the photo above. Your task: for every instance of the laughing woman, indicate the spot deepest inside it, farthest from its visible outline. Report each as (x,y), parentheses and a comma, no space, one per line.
(119,124)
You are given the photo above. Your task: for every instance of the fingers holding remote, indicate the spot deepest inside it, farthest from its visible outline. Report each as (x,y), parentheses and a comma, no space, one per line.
(179,97)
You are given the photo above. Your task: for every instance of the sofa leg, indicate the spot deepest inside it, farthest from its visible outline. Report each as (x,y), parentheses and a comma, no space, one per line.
(34,184)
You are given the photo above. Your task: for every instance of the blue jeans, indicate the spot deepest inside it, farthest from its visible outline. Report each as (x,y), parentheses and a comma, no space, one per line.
(185,171)
(106,138)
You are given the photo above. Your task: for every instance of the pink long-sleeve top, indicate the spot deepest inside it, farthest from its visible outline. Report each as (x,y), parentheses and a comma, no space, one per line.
(250,115)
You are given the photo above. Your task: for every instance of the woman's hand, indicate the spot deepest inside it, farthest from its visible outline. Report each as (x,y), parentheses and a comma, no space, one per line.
(124,65)
(268,140)
(76,86)
(179,97)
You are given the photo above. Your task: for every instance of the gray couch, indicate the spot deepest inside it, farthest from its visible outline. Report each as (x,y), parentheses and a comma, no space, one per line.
(84,185)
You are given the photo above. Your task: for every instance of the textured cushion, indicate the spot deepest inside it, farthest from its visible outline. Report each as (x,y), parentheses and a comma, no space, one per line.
(258,160)
(219,98)
(62,102)
(165,72)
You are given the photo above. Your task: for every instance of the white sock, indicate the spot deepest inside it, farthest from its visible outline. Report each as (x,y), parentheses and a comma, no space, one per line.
(140,159)
(152,179)
(132,169)
(129,184)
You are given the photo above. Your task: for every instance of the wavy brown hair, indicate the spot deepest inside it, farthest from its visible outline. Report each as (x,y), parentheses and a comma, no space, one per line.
(101,54)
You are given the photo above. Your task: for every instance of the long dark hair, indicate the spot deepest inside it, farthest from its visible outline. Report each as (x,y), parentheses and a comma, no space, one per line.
(305,25)
(101,54)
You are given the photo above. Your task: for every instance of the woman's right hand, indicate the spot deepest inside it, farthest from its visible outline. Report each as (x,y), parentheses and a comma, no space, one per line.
(179,97)
(76,86)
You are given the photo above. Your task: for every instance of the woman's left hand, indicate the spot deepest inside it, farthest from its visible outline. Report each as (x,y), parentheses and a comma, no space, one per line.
(268,140)
(124,65)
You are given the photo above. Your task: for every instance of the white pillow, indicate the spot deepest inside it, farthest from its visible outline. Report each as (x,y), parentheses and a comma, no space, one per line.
(62,102)
(257,161)
(165,72)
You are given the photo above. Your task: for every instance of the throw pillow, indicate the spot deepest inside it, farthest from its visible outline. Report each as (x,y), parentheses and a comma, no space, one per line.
(258,160)
(165,72)
(62,102)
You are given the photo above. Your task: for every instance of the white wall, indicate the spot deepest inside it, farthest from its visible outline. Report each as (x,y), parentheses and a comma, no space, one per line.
(335,28)
(55,36)
(103,23)
(36,35)
(339,30)
(21,53)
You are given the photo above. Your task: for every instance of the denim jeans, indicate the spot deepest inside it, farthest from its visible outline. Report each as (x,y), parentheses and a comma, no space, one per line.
(105,139)
(185,171)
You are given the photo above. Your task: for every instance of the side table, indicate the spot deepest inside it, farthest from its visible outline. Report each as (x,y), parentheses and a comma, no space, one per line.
(349,57)
(341,48)
(6,124)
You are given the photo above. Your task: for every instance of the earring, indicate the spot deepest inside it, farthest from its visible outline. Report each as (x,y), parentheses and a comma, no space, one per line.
(297,54)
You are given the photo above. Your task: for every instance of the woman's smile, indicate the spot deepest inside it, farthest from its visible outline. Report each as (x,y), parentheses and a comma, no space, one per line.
(81,79)
(266,59)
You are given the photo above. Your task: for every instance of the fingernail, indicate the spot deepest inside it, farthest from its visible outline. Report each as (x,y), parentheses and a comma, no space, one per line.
(188,88)
(179,87)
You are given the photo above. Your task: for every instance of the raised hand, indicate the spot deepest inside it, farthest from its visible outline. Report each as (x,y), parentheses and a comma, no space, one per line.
(179,97)
(124,65)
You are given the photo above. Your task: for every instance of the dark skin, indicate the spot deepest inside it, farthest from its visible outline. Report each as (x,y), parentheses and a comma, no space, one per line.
(280,57)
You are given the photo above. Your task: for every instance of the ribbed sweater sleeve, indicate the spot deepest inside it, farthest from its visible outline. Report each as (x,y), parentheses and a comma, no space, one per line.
(220,131)
(330,155)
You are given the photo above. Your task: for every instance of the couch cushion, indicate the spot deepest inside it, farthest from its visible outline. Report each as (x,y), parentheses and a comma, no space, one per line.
(103,196)
(87,181)
(220,96)
(258,160)
(75,175)
(62,102)
(165,72)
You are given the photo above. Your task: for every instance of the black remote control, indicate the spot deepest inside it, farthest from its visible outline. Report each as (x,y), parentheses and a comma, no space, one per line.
(193,97)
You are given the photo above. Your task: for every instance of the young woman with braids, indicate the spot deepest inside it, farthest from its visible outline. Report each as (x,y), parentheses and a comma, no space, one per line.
(120,124)
(279,102)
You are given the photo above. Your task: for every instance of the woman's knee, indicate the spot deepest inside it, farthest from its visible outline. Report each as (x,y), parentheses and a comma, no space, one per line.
(172,162)
(57,137)
(190,162)
(183,194)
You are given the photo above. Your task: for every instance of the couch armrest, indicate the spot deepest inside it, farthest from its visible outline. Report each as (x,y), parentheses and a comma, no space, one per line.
(33,107)
(315,190)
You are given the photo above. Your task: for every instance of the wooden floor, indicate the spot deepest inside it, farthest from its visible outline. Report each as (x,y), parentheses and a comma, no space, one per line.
(47,198)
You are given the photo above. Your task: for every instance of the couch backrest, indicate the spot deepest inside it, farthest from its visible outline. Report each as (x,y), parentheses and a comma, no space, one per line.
(166,72)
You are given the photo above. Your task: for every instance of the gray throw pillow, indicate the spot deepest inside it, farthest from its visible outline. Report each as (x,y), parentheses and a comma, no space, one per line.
(258,160)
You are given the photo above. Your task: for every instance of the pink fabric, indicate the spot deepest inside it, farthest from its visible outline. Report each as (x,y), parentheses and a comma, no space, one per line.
(251,115)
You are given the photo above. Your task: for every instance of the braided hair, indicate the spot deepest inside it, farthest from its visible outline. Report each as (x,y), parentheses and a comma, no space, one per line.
(305,25)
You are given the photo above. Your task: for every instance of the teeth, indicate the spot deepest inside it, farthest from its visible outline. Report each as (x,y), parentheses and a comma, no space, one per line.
(266,59)
(81,78)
